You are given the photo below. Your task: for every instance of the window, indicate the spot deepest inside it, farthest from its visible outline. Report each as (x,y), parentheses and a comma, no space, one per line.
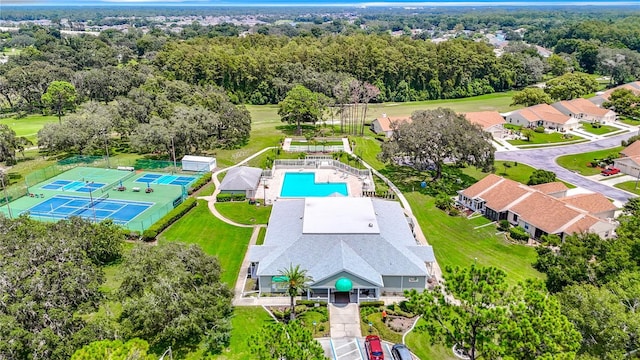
(515,217)
(413,279)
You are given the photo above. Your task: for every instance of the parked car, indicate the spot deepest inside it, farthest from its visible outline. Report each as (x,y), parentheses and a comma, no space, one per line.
(610,171)
(373,347)
(400,352)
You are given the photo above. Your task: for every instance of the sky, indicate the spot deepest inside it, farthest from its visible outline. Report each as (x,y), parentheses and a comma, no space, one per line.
(314,2)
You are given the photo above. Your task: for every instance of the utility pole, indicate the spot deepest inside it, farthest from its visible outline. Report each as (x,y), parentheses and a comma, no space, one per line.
(173,153)
(106,146)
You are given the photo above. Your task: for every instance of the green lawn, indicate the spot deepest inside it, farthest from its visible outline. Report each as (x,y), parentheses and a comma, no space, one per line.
(28,126)
(457,243)
(581,162)
(603,129)
(261,234)
(419,343)
(629,186)
(520,172)
(244,213)
(540,138)
(629,121)
(217,238)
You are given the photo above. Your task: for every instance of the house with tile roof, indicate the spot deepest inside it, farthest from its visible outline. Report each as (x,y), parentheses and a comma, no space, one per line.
(490,121)
(241,180)
(542,115)
(541,209)
(604,96)
(366,241)
(585,110)
(384,124)
(629,163)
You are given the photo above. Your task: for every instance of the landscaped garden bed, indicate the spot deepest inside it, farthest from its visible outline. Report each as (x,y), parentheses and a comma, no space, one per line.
(389,322)
(314,318)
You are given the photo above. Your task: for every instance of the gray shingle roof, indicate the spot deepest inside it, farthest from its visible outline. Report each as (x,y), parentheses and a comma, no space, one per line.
(241,178)
(392,252)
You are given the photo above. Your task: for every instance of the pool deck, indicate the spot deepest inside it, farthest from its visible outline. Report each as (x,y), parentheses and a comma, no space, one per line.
(274,185)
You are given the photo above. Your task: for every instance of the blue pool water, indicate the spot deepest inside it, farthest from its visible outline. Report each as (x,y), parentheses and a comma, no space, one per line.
(304,185)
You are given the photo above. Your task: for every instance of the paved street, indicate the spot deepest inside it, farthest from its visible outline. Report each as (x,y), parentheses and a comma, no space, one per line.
(545,158)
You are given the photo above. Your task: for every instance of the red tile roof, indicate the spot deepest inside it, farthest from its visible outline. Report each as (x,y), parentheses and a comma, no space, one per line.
(584,106)
(550,188)
(593,203)
(386,121)
(485,119)
(631,150)
(544,112)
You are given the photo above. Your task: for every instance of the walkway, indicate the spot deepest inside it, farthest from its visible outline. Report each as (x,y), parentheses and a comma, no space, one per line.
(344,320)
(545,158)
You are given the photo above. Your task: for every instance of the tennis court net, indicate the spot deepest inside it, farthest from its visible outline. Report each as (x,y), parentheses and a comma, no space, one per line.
(90,204)
(117,182)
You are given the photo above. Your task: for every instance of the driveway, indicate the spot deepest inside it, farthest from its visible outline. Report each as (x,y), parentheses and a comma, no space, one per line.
(545,158)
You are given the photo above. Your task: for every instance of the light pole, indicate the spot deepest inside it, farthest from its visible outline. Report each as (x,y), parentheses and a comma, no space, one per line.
(173,153)
(6,198)
(106,146)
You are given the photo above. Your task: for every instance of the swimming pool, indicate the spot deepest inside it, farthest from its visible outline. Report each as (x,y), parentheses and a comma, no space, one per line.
(304,185)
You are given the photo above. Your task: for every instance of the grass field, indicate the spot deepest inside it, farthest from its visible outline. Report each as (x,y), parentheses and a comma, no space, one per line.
(457,243)
(420,344)
(228,243)
(603,129)
(28,126)
(244,213)
(247,320)
(581,162)
(544,138)
(629,186)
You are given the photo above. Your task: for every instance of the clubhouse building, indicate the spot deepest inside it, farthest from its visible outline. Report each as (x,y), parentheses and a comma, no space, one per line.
(355,249)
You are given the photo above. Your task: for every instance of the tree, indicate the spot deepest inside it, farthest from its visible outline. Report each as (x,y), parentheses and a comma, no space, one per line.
(173,296)
(527,133)
(570,86)
(476,311)
(587,259)
(622,65)
(530,97)
(49,277)
(297,282)
(134,349)
(291,341)
(607,316)
(540,176)
(623,102)
(8,144)
(558,65)
(301,105)
(434,136)
(60,96)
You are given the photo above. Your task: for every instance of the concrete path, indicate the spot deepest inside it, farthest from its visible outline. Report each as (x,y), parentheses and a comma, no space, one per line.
(244,271)
(344,320)
(545,158)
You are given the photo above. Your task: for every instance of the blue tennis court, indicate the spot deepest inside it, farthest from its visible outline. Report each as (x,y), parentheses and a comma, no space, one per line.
(68,185)
(65,206)
(177,180)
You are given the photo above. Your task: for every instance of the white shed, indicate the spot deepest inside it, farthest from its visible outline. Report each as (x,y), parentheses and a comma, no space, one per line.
(198,163)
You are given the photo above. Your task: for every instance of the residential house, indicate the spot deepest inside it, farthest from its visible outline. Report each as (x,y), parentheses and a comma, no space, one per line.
(629,163)
(542,115)
(541,209)
(604,96)
(585,110)
(354,249)
(490,121)
(384,124)
(241,179)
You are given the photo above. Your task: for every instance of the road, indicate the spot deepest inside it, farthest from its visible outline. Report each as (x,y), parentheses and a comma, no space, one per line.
(545,158)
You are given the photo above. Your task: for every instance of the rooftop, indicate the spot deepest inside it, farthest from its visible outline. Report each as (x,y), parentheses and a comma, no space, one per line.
(485,119)
(326,215)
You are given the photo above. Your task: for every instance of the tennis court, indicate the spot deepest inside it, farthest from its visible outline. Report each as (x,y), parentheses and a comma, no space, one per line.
(65,206)
(177,180)
(69,185)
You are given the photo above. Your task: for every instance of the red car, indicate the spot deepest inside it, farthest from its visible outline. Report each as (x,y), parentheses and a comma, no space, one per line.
(373,346)
(610,171)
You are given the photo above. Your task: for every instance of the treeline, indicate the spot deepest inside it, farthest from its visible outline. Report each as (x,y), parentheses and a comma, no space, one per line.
(261,69)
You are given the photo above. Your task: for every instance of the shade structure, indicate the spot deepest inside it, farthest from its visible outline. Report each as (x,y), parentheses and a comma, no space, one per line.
(343,284)
(280,279)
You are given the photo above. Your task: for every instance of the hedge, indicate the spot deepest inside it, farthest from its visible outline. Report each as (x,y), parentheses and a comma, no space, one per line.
(518,233)
(222,197)
(371,304)
(204,180)
(171,217)
(311,303)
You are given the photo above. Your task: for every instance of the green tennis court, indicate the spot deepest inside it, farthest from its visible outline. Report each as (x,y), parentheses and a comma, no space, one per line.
(126,197)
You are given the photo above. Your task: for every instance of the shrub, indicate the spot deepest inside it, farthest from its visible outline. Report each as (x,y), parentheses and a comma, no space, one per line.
(596,125)
(223,197)
(371,304)
(539,129)
(238,197)
(518,233)
(310,303)
(454,212)
(503,225)
(171,217)
(204,180)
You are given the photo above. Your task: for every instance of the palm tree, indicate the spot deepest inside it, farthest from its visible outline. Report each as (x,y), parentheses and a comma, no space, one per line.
(297,282)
